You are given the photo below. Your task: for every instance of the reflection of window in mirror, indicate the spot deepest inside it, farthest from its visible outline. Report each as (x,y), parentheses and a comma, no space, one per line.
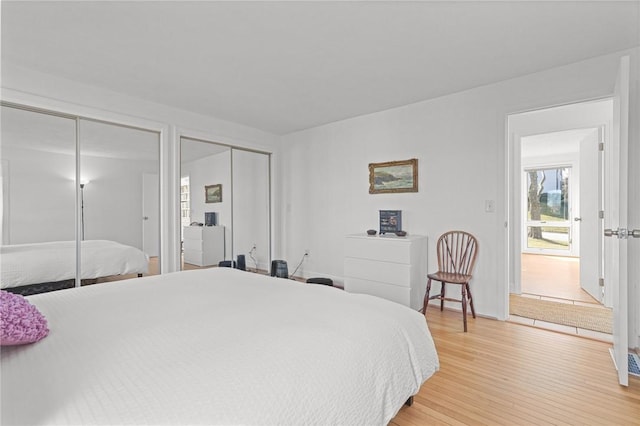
(185,203)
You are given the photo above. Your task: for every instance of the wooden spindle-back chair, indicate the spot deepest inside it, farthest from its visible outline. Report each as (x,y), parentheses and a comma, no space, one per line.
(457,252)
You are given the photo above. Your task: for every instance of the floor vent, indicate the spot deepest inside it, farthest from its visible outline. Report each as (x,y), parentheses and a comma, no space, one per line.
(634,365)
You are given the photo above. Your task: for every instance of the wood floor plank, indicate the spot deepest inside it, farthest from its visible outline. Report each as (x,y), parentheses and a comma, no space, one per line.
(506,373)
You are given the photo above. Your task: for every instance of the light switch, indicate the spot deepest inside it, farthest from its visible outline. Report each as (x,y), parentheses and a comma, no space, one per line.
(489,206)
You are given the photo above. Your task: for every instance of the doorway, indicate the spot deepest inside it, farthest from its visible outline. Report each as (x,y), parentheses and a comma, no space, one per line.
(557,199)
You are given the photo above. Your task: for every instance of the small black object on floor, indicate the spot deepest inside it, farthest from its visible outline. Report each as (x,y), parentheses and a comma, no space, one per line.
(279,269)
(323,281)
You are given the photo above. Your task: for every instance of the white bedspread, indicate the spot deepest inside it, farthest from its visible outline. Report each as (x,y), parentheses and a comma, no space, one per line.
(216,346)
(23,264)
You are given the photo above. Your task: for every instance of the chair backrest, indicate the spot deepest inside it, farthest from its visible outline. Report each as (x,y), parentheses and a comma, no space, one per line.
(457,251)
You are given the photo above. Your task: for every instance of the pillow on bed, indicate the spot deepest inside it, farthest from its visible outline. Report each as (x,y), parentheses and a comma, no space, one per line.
(20,321)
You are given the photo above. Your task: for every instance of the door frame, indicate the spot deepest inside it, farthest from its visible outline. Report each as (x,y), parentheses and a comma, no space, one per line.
(513,179)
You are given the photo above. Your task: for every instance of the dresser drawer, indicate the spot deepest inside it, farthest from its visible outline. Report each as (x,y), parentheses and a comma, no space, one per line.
(191,244)
(379,248)
(394,293)
(192,232)
(397,274)
(194,257)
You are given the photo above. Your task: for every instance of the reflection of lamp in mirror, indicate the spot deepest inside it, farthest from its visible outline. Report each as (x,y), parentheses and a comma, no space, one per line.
(82,184)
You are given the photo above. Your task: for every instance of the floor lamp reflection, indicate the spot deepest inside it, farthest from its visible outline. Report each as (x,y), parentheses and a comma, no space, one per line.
(82,208)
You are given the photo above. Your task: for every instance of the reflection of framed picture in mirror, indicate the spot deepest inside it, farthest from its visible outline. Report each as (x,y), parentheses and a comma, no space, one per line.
(213,193)
(393,176)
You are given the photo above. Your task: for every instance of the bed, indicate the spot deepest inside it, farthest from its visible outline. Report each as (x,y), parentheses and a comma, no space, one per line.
(216,346)
(34,268)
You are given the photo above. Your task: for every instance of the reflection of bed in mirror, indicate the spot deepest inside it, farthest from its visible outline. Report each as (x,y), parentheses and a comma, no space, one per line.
(40,267)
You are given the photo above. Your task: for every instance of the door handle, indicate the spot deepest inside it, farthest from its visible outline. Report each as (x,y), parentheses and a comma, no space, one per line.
(577,219)
(145,218)
(622,233)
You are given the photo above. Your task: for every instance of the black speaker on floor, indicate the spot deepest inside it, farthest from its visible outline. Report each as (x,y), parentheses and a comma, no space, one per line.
(323,281)
(227,264)
(279,269)
(241,264)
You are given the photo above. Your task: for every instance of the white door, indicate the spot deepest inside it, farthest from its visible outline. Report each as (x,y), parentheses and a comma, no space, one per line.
(587,222)
(616,176)
(150,214)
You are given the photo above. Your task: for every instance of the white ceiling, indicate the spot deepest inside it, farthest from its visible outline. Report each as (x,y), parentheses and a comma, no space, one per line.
(43,132)
(286,66)
(555,143)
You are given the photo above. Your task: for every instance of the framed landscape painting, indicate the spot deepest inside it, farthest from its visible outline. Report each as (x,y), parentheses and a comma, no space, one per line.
(393,176)
(213,193)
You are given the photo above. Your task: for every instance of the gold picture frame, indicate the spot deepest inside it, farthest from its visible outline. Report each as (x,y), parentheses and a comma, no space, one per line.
(213,193)
(393,176)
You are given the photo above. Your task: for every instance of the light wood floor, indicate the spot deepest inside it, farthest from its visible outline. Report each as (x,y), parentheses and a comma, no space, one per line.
(501,373)
(553,276)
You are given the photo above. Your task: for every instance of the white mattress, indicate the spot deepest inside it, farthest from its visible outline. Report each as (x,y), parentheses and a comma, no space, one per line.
(216,346)
(23,264)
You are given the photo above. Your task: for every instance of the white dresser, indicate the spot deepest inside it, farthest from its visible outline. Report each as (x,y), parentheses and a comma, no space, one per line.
(394,268)
(203,245)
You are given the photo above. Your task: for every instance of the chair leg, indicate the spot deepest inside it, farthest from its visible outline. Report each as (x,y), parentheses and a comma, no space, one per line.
(426,297)
(473,311)
(464,307)
(442,295)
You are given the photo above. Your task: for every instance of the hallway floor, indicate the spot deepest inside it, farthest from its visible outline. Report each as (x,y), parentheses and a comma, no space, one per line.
(555,278)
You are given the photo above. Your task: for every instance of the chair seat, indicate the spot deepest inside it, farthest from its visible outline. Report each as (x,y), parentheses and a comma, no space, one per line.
(450,277)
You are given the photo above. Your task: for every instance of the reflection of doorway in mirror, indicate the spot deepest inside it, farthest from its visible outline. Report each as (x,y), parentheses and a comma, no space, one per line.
(151,220)
(185,204)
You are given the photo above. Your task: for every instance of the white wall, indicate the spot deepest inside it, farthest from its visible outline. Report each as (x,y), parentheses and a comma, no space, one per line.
(113,199)
(40,195)
(211,170)
(460,143)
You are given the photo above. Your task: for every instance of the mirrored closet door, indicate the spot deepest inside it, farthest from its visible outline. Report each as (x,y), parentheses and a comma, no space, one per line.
(251,229)
(38,160)
(224,204)
(119,196)
(80,201)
